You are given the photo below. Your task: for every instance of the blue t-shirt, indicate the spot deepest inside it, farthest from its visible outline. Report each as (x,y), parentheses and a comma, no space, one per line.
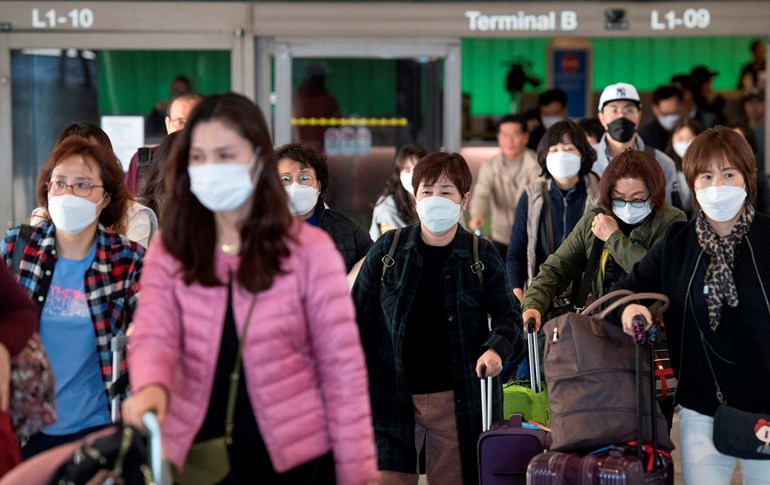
(313,220)
(67,333)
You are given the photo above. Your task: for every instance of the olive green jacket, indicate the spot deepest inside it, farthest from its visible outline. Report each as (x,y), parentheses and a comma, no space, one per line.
(571,258)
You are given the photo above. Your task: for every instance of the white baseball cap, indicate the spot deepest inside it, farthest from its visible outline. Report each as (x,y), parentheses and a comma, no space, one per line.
(619,92)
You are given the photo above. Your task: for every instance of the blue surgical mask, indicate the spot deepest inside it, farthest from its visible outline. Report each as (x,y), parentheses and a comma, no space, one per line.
(438,214)
(632,215)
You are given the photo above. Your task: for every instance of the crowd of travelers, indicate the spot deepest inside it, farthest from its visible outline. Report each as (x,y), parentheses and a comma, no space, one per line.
(226,268)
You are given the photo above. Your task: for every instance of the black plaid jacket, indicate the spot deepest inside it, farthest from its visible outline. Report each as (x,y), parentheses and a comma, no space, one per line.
(383,309)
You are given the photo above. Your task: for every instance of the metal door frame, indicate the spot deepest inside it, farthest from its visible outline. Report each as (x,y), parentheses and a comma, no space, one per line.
(286,49)
(239,43)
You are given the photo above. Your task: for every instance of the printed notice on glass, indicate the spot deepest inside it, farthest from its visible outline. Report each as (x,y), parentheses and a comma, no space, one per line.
(126,134)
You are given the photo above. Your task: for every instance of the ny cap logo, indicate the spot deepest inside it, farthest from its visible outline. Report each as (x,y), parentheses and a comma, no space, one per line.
(621,92)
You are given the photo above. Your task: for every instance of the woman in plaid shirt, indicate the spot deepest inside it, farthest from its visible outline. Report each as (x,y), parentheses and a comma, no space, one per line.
(84,279)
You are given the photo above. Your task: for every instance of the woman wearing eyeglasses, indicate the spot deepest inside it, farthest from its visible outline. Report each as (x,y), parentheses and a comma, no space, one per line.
(84,279)
(305,176)
(634,217)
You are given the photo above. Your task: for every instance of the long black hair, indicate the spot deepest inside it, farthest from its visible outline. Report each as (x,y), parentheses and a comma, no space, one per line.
(403,199)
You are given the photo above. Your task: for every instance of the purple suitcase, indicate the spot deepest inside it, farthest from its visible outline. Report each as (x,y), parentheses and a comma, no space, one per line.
(612,467)
(505,448)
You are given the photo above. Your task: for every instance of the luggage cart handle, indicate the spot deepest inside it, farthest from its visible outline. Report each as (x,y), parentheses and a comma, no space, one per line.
(535,379)
(150,422)
(486,399)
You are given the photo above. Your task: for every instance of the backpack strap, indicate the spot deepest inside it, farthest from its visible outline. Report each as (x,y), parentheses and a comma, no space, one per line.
(591,266)
(22,239)
(477,267)
(548,220)
(387,260)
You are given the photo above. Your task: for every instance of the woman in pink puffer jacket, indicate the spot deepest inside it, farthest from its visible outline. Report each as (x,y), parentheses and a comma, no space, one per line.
(229,249)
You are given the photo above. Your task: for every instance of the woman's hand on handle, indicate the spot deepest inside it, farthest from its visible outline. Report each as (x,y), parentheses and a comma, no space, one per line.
(151,398)
(531,313)
(492,361)
(630,312)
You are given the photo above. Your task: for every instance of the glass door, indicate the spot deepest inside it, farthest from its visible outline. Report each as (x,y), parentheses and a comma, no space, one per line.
(49,87)
(359,102)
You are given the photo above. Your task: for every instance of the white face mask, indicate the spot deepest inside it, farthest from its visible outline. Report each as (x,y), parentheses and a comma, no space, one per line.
(562,165)
(549,121)
(406,181)
(301,199)
(438,214)
(71,213)
(632,215)
(668,121)
(721,203)
(223,187)
(680,147)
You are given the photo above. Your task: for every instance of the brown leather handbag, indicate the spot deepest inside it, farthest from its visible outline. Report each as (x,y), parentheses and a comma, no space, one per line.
(590,367)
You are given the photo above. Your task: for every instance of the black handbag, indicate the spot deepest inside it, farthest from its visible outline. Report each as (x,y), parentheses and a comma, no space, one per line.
(737,433)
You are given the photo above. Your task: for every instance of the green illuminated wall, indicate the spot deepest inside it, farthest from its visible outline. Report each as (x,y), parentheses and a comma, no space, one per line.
(646,63)
(131,82)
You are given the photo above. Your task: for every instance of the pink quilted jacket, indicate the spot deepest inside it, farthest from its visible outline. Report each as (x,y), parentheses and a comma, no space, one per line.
(303,361)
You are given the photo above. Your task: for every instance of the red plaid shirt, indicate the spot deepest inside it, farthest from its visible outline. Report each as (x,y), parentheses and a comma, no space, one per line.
(111,282)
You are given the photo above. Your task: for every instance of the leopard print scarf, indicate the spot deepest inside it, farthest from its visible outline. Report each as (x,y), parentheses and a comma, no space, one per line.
(719,274)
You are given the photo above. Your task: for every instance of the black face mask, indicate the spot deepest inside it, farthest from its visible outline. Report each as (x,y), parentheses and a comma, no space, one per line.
(621,130)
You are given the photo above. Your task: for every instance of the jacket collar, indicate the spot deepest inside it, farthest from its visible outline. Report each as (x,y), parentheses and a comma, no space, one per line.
(462,241)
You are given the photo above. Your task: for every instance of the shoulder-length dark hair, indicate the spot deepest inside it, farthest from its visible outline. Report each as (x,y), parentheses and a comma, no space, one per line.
(189,231)
(563,131)
(404,200)
(153,193)
(636,165)
(453,165)
(110,172)
(724,145)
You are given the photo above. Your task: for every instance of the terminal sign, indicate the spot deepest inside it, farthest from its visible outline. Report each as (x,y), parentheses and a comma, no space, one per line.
(691,18)
(566,20)
(77,18)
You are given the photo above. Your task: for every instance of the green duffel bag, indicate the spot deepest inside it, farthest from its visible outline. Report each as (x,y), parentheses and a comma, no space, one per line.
(519,397)
(528,397)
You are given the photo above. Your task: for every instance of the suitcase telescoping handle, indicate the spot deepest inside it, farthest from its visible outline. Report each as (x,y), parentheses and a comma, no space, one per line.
(118,348)
(534,357)
(486,400)
(646,338)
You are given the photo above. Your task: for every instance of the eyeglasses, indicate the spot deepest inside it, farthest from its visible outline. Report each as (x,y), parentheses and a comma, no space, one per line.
(81,189)
(634,203)
(303,179)
(178,123)
(627,110)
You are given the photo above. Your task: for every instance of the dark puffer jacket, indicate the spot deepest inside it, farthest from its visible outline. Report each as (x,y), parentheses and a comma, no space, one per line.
(352,240)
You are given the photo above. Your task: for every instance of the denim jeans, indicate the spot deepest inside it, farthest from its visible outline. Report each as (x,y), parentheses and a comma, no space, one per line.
(702,464)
